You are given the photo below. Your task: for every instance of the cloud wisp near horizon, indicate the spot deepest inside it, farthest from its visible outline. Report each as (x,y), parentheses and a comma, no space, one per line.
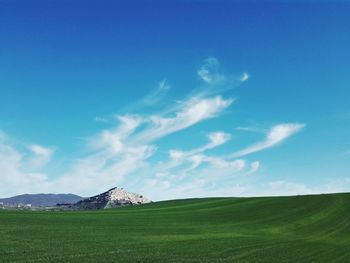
(130,154)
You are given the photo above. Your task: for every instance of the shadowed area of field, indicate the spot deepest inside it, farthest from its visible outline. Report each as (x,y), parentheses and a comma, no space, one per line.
(268,229)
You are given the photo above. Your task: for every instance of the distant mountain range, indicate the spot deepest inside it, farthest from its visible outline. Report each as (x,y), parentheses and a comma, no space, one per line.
(42,199)
(115,197)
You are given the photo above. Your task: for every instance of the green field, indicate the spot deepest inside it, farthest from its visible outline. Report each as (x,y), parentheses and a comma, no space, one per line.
(271,229)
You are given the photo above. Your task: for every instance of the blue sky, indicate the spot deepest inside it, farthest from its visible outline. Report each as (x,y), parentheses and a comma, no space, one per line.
(174,100)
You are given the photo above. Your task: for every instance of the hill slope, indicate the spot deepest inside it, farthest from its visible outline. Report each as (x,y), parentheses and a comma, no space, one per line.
(271,229)
(42,199)
(113,198)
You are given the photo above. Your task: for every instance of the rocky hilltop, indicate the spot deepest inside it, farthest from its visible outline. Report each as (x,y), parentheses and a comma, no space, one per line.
(115,197)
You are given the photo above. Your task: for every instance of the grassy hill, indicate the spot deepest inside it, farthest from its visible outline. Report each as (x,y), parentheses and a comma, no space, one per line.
(271,229)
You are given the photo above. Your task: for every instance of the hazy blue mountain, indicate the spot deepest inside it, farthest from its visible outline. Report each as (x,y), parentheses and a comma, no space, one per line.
(42,199)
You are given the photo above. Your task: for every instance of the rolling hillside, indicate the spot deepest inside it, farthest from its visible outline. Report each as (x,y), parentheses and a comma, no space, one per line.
(270,229)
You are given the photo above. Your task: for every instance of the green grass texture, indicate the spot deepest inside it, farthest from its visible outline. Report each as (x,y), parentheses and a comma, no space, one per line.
(313,228)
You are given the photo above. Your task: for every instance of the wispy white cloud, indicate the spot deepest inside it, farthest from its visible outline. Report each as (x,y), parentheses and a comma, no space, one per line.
(40,157)
(252,129)
(216,82)
(276,135)
(98,172)
(112,140)
(254,167)
(40,150)
(287,188)
(17,175)
(215,139)
(101,119)
(209,72)
(220,163)
(192,112)
(218,138)
(194,157)
(245,76)
(155,98)
(157,94)
(158,183)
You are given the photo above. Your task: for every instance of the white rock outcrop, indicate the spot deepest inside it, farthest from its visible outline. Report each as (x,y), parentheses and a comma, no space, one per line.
(115,197)
(118,196)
